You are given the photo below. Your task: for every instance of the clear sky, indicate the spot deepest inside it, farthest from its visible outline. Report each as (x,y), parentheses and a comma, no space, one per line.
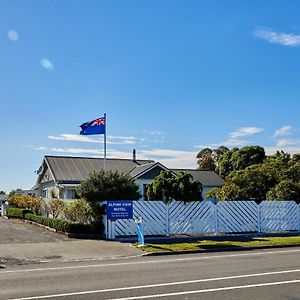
(172,76)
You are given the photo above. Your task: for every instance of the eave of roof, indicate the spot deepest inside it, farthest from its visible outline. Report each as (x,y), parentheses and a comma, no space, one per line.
(143,169)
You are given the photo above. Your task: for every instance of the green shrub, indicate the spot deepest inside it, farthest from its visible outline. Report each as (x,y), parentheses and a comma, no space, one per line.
(78,211)
(63,225)
(31,202)
(12,212)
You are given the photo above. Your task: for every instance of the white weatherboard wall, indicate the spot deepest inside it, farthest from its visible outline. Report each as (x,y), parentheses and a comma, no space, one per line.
(206,217)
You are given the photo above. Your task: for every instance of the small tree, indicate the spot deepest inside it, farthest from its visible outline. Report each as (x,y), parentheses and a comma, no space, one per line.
(168,186)
(78,211)
(107,185)
(56,207)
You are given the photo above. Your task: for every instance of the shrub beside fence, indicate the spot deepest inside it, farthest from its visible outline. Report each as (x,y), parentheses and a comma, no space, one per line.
(57,224)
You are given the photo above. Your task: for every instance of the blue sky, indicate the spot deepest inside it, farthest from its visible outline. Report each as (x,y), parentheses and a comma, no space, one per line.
(172,76)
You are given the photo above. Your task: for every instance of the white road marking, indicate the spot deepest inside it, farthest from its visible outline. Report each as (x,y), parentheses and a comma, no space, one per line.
(159,261)
(157,285)
(209,290)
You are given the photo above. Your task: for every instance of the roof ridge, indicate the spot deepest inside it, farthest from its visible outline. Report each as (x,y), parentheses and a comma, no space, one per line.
(100,158)
(149,163)
(193,170)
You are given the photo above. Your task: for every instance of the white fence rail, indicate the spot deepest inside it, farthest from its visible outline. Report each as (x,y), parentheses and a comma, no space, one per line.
(206,217)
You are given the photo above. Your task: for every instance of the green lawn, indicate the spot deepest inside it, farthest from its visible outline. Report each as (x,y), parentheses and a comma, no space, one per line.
(222,244)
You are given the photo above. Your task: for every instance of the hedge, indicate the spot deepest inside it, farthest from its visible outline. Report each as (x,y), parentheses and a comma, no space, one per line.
(63,225)
(57,224)
(12,212)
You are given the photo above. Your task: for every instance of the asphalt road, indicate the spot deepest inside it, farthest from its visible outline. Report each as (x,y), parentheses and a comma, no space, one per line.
(264,274)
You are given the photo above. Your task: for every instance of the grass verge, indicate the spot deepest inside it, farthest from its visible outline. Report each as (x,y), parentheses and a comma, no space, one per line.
(222,244)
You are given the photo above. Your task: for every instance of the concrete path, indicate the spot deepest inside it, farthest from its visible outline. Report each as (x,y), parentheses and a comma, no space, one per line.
(22,243)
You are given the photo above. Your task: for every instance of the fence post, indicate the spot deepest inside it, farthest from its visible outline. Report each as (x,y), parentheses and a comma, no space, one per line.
(299,217)
(258,219)
(167,220)
(280,216)
(216,217)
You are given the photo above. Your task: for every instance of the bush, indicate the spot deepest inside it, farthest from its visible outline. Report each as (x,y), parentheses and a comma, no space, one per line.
(63,225)
(30,202)
(55,207)
(19,213)
(78,211)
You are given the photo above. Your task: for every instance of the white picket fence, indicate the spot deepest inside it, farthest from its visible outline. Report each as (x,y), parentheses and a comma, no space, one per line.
(206,217)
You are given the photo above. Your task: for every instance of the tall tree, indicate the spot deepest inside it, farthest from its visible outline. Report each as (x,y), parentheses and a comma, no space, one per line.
(240,159)
(276,178)
(225,165)
(208,158)
(285,190)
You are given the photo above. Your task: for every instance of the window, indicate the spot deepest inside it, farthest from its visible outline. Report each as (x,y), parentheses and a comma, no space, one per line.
(71,194)
(44,193)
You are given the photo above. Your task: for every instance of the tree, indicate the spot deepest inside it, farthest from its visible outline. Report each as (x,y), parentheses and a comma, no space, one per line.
(247,156)
(285,190)
(249,184)
(78,211)
(205,160)
(108,185)
(185,189)
(56,207)
(208,158)
(168,186)
(274,177)
(240,159)
(293,171)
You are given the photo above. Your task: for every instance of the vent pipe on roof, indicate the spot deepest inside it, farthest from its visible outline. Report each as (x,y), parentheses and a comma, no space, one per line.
(134,155)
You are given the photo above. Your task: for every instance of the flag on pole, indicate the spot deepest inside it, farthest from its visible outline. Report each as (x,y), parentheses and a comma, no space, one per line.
(96,126)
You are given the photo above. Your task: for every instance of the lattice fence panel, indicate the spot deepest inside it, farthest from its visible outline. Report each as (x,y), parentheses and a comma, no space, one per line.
(205,217)
(237,216)
(191,218)
(154,219)
(279,215)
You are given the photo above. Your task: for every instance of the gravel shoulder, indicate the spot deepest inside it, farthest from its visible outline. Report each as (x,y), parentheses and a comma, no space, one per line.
(17,231)
(22,243)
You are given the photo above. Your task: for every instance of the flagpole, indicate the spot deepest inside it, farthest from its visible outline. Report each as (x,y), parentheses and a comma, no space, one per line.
(104,161)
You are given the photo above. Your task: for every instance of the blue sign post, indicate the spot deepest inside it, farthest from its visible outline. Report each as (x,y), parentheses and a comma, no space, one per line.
(121,209)
(140,232)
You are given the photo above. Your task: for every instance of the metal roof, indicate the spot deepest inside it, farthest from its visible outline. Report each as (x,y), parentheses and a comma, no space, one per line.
(75,169)
(207,178)
(141,169)
(72,170)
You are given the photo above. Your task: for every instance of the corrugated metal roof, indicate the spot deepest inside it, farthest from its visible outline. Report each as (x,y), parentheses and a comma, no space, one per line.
(140,169)
(76,169)
(207,178)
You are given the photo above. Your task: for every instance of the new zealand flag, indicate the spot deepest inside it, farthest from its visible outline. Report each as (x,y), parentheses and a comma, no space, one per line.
(96,126)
